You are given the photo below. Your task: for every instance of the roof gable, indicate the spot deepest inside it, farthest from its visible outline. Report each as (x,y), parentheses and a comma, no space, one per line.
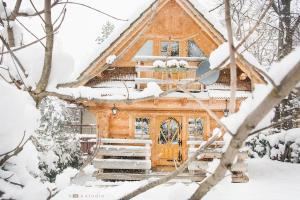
(135,29)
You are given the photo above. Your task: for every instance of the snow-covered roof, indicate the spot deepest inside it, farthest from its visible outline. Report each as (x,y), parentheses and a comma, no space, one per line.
(199,6)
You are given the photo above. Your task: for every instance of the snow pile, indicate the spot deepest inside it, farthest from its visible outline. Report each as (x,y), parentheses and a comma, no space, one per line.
(219,55)
(183,63)
(172,63)
(18,116)
(152,89)
(64,179)
(110,59)
(159,63)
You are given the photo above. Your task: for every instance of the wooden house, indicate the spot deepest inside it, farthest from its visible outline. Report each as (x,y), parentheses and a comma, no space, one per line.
(180,34)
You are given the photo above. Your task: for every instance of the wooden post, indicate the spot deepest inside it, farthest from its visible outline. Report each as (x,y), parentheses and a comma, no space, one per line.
(239,169)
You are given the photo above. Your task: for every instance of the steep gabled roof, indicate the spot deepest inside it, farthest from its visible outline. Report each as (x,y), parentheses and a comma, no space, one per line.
(196,10)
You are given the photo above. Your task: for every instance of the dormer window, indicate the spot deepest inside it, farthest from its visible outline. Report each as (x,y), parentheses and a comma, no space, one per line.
(169,48)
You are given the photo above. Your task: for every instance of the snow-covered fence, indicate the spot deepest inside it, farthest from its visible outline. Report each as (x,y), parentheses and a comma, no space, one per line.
(128,156)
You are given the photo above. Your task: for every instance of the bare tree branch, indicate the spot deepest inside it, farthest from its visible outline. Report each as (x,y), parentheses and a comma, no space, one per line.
(273,98)
(14,152)
(30,32)
(24,14)
(99,11)
(44,79)
(273,125)
(36,11)
(13,55)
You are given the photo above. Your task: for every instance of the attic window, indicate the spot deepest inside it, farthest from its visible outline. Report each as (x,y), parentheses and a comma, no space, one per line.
(193,49)
(169,48)
(146,49)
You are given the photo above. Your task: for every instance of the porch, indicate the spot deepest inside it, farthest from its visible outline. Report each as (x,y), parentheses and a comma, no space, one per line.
(130,159)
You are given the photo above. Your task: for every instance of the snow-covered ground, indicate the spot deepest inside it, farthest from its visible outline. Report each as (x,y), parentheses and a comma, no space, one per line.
(269,179)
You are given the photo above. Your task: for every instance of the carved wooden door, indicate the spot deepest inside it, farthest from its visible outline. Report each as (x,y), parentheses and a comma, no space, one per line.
(169,141)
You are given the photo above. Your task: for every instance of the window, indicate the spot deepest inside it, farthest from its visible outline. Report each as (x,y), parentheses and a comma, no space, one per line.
(193,49)
(142,126)
(195,127)
(146,49)
(169,131)
(169,48)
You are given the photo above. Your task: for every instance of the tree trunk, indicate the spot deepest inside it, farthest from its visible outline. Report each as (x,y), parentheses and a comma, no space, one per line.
(233,73)
(43,82)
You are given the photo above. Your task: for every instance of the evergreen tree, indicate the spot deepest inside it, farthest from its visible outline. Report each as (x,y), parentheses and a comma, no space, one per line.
(58,137)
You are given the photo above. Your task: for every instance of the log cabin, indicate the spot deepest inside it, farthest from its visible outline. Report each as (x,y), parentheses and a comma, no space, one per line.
(165,47)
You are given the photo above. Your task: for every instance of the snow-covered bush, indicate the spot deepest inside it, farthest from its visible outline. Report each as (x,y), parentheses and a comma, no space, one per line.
(283,146)
(259,146)
(58,138)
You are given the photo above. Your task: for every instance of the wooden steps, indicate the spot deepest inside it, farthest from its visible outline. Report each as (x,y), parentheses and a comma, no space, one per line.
(116,157)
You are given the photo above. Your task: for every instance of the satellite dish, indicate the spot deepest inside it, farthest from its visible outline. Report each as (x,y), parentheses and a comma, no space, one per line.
(203,67)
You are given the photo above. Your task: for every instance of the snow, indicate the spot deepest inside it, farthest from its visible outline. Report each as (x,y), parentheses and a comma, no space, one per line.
(120,27)
(268,180)
(110,59)
(172,63)
(18,116)
(219,55)
(183,63)
(152,89)
(159,63)
(64,179)
(203,7)
(278,70)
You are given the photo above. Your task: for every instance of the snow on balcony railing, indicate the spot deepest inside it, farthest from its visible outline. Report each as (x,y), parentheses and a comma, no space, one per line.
(154,58)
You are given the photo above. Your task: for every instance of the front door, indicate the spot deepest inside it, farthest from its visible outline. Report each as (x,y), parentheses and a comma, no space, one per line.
(169,141)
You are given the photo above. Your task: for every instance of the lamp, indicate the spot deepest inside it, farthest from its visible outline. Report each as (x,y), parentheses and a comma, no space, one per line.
(114,110)
(226,111)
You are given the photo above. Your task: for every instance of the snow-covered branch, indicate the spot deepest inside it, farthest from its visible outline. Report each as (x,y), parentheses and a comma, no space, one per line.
(269,97)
